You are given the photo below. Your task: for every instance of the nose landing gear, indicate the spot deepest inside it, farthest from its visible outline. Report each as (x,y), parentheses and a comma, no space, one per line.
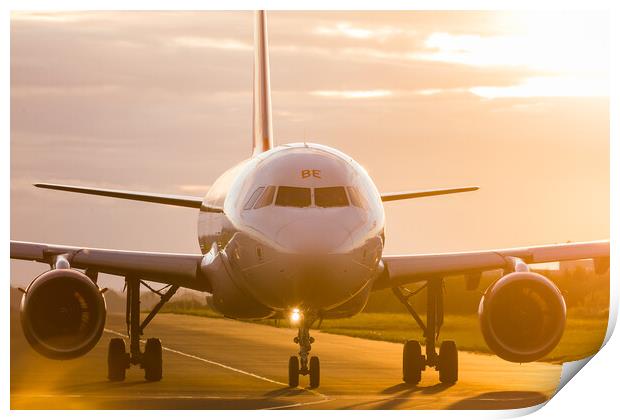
(303,364)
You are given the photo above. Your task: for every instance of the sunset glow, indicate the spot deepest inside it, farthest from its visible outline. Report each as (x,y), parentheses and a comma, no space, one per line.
(569,52)
(307,209)
(421,99)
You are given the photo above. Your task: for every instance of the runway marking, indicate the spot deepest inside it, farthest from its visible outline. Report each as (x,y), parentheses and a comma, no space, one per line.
(280,407)
(325,398)
(142,396)
(211,362)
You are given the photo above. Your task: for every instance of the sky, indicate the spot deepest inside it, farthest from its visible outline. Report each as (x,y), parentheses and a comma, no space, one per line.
(514,102)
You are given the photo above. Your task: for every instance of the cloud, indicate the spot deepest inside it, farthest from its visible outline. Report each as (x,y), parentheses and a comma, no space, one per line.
(82,90)
(198,188)
(559,49)
(208,42)
(52,17)
(386,94)
(346,29)
(352,94)
(212,53)
(161,101)
(546,87)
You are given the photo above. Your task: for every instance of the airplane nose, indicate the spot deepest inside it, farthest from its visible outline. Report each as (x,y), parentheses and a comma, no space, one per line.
(309,268)
(315,280)
(313,237)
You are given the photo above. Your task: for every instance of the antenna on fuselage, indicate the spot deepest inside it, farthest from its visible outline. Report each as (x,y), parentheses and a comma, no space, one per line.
(262,128)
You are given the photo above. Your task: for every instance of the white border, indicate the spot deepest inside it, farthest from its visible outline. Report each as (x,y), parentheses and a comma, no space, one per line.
(593,394)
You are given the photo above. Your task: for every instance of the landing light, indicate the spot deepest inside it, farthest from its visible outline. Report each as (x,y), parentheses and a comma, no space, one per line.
(295,315)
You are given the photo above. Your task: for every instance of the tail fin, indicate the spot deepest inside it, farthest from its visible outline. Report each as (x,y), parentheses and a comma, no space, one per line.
(263,131)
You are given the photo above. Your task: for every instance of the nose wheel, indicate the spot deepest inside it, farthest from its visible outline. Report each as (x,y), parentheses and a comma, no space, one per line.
(303,364)
(313,370)
(293,371)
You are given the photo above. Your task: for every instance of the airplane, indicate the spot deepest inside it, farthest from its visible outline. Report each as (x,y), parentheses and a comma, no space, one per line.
(294,231)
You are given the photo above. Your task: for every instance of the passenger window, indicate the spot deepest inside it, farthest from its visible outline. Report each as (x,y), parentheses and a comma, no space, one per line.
(267,198)
(354,196)
(293,197)
(330,197)
(252,200)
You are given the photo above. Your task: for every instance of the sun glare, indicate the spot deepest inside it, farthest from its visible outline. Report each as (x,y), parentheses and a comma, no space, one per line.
(571,49)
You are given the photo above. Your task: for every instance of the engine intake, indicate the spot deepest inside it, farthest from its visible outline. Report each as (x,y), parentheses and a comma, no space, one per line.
(63,314)
(522,316)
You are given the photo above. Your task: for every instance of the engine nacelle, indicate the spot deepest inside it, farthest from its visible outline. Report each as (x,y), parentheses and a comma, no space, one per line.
(63,314)
(522,316)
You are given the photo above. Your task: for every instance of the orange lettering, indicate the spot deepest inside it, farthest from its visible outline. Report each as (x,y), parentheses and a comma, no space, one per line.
(306,173)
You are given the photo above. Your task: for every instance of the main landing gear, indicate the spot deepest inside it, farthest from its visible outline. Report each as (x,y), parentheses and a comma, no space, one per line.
(151,358)
(414,362)
(302,364)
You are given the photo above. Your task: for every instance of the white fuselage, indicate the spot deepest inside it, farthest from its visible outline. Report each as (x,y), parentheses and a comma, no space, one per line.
(298,226)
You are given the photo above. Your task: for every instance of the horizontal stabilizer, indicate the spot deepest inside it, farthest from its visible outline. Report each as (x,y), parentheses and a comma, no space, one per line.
(172,200)
(403,195)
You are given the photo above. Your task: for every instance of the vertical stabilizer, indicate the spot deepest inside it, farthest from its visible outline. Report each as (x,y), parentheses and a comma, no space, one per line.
(262,129)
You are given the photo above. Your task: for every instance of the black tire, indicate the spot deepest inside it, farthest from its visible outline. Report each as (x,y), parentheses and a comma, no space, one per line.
(117,360)
(152,360)
(315,372)
(293,372)
(413,362)
(448,363)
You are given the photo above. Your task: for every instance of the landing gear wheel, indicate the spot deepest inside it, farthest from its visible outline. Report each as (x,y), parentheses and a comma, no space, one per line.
(293,371)
(448,363)
(315,372)
(152,360)
(117,360)
(413,362)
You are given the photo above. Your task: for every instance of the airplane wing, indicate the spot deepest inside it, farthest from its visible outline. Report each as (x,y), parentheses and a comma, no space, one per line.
(403,269)
(176,269)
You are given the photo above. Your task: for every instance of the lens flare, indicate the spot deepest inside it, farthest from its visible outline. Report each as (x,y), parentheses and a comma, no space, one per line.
(295,315)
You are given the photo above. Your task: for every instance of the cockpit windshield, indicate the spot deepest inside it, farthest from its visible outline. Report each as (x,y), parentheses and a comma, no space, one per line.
(330,197)
(267,198)
(252,200)
(355,197)
(294,197)
(287,196)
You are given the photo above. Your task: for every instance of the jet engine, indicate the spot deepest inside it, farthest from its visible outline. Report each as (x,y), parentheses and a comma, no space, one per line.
(522,316)
(63,314)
